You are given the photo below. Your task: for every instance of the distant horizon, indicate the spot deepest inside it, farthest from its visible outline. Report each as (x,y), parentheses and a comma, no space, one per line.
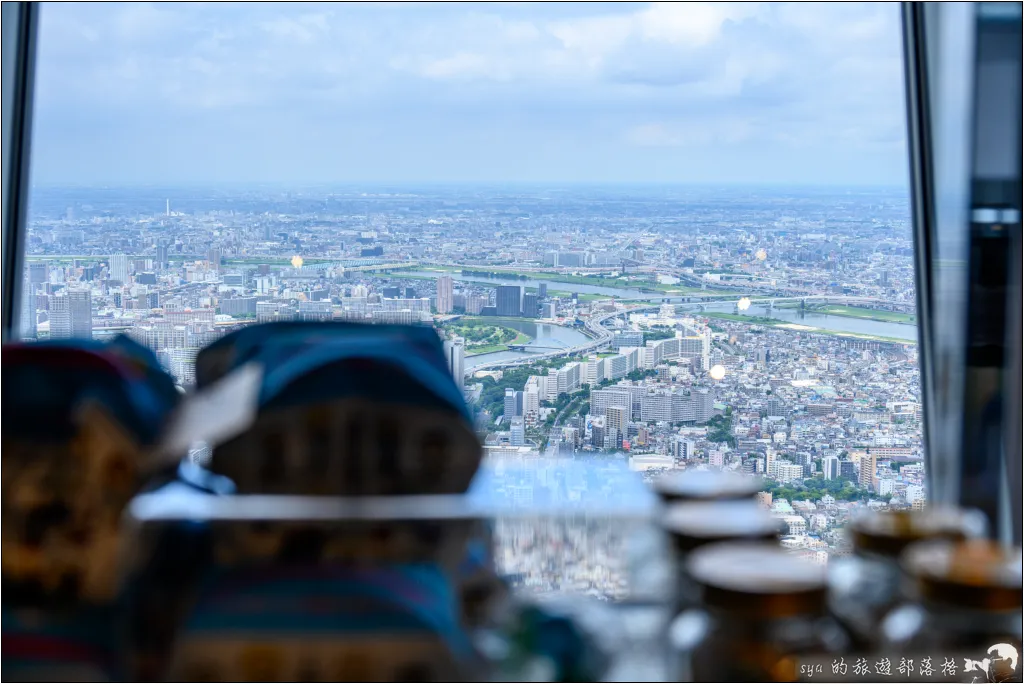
(547,185)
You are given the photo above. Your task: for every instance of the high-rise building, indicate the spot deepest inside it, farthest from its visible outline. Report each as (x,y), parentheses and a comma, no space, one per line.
(71,315)
(682,449)
(119,268)
(509,300)
(617,417)
(476,303)
(867,471)
(455,352)
(27,328)
(628,338)
(601,399)
(704,404)
(848,471)
(213,257)
(542,290)
(531,305)
(38,273)
(563,380)
(513,403)
(787,472)
(830,468)
(445,302)
(517,432)
(315,311)
(238,306)
(531,399)
(392,292)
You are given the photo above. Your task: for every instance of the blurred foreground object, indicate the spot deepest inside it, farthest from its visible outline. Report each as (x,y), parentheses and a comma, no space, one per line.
(867,585)
(762,608)
(967,601)
(295,584)
(81,420)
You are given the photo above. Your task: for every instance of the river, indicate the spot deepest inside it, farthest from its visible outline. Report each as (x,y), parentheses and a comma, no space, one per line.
(545,338)
(546,335)
(902,331)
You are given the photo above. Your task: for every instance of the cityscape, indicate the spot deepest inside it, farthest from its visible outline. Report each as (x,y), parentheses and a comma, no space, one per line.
(767,330)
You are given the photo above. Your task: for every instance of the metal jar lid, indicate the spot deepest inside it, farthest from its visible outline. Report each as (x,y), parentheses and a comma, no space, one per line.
(695,524)
(977,574)
(706,485)
(888,533)
(757,579)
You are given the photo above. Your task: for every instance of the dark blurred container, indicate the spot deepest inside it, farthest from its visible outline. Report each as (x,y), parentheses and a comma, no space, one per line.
(691,526)
(967,604)
(762,608)
(864,587)
(706,485)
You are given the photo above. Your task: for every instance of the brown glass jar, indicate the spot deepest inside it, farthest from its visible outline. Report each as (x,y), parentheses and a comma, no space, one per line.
(706,485)
(865,586)
(966,604)
(690,526)
(762,608)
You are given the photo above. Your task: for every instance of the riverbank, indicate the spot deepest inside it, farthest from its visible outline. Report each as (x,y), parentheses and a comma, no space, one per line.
(797,327)
(619,283)
(866,314)
(475,329)
(862,313)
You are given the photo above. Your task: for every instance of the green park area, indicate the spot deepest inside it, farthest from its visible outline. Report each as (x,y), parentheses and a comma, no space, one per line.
(486,335)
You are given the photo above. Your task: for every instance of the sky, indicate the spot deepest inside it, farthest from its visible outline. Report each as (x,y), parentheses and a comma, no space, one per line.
(294,93)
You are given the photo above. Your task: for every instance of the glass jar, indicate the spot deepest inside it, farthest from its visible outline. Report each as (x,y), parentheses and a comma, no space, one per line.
(706,485)
(693,525)
(761,609)
(649,554)
(965,604)
(865,586)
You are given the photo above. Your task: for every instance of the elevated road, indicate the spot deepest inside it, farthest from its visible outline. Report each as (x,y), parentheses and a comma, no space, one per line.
(600,337)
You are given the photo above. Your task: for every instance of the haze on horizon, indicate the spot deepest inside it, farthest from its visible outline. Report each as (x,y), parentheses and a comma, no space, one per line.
(296,94)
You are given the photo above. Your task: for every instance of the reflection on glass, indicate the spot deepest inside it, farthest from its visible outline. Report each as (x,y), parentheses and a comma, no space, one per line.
(577,218)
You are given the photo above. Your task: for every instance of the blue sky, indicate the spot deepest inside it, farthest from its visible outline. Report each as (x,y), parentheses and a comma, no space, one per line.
(296,93)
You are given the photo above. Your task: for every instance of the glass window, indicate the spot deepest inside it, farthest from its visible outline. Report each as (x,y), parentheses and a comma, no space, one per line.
(667,235)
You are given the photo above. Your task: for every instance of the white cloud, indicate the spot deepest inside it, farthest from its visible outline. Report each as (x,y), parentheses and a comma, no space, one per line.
(656,76)
(461,65)
(692,24)
(304,29)
(139,21)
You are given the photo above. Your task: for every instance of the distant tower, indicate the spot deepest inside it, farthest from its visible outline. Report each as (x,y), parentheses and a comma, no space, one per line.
(119,268)
(444,294)
(168,206)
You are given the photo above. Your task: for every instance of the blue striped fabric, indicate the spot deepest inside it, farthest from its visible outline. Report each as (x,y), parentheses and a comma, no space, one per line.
(323,599)
(308,354)
(52,378)
(85,641)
